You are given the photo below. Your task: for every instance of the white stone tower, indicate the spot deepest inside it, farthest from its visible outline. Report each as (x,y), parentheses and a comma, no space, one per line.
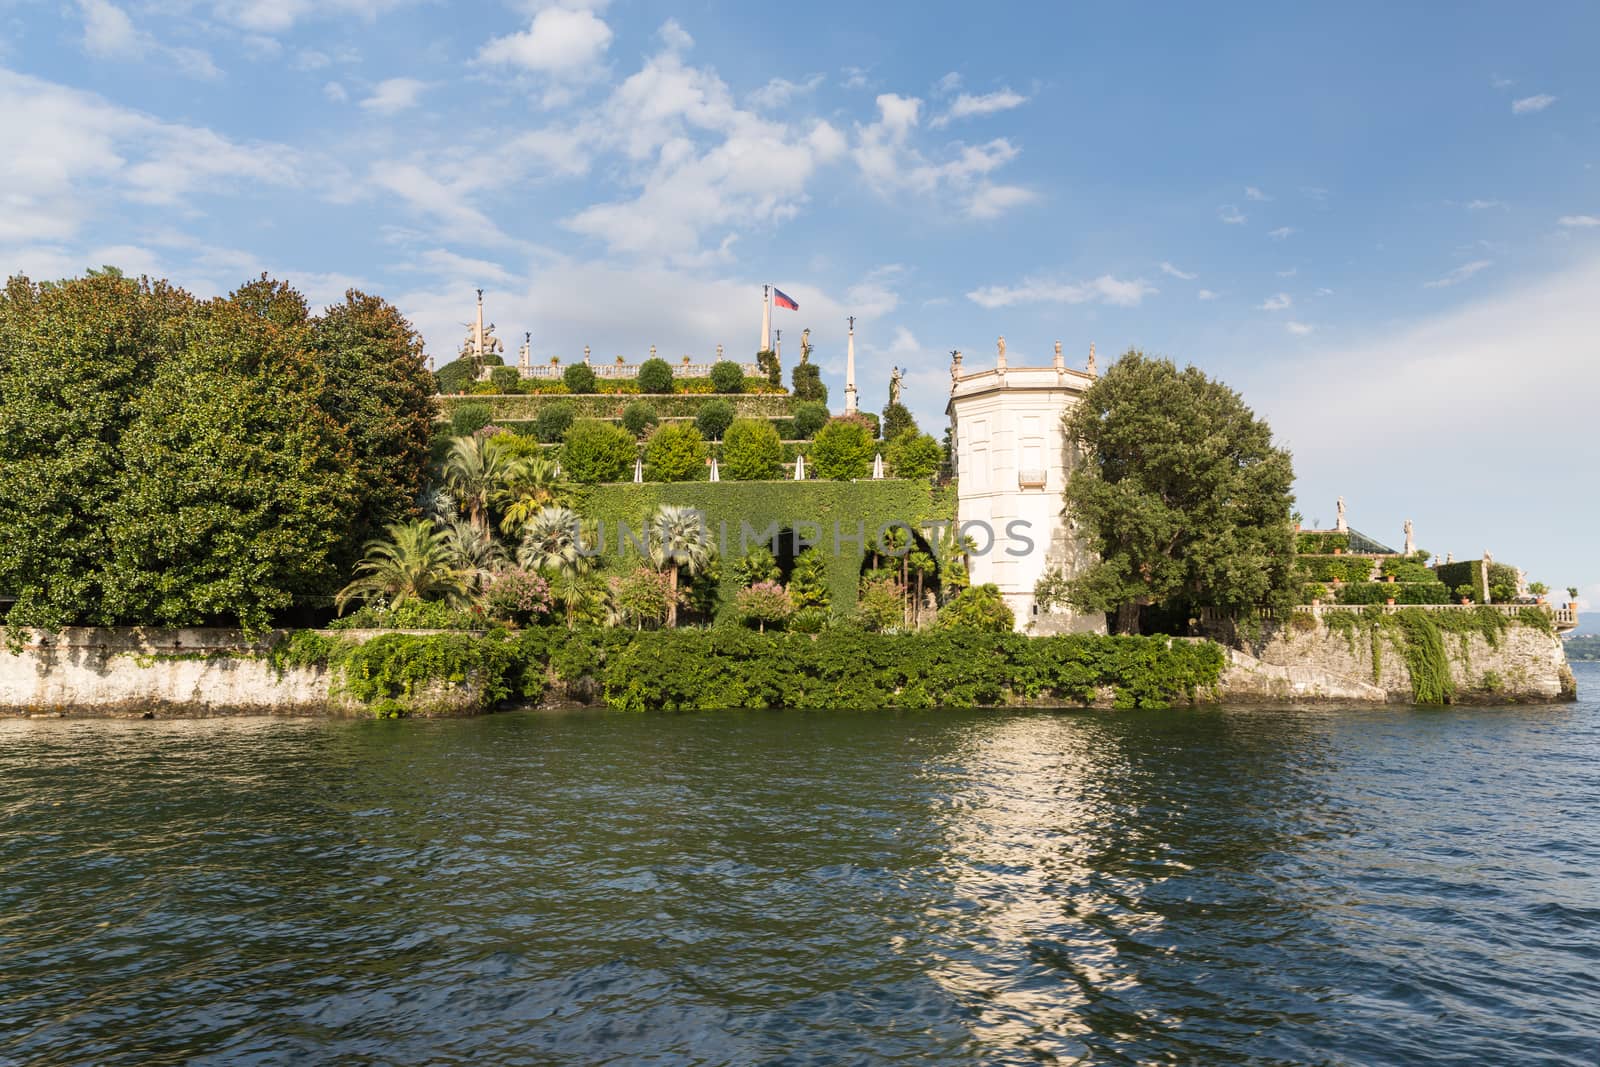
(850,371)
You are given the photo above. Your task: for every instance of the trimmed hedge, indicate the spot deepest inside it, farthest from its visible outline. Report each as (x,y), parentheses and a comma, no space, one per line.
(1467,572)
(1403,593)
(1313,544)
(520,408)
(1327,568)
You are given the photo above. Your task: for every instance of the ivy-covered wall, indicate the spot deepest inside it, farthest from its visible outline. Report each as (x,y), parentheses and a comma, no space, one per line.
(854,506)
(520,407)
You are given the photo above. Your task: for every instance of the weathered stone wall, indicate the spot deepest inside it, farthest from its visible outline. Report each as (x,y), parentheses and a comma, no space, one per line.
(133,672)
(1525,664)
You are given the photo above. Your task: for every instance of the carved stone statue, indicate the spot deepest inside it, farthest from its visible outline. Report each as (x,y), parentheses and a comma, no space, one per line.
(805,345)
(1411,543)
(1001,347)
(894,385)
(1091,358)
(1341,525)
(491,343)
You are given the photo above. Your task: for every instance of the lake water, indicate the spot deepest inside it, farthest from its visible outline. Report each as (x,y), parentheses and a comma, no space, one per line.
(1221,886)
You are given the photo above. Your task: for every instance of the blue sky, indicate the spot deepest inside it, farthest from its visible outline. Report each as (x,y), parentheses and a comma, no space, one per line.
(1381,226)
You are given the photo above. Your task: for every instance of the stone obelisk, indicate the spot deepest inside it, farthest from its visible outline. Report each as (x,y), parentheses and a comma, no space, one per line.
(850,371)
(766,318)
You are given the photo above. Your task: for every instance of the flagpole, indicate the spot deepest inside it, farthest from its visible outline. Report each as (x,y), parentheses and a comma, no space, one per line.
(766,318)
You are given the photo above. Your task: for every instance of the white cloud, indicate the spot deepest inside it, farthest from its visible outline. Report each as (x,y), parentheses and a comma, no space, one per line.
(1231,215)
(558,41)
(66,154)
(108,33)
(1105,289)
(1460,274)
(1277,302)
(1484,205)
(1168,268)
(947,84)
(854,78)
(1299,329)
(1498,82)
(335,92)
(1253,193)
(1290,273)
(893,166)
(1323,292)
(393,95)
(1457,360)
(276,16)
(779,91)
(1206,294)
(1579,221)
(1530,104)
(967,106)
(1281,232)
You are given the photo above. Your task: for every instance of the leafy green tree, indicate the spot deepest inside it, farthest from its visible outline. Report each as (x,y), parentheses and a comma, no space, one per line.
(414,563)
(237,484)
(655,376)
(897,420)
(763,603)
(727,376)
(808,418)
(596,451)
(676,453)
(808,583)
(978,607)
(767,360)
(715,416)
(469,419)
(807,383)
(638,417)
(553,420)
(74,357)
(913,454)
(579,378)
(641,596)
(843,450)
(376,387)
(505,379)
(680,544)
(881,604)
(1181,492)
(751,451)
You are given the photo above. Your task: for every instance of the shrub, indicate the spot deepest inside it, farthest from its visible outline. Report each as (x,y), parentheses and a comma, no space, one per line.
(751,451)
(580,378)
(808,418)
(756,565)
(812,620)
(727,377)
(1321,543)
(676,453)
(469,419)
(977,607)
(642,596)
(763,603)
(913,454)
(655,376)
(409,615)
(881,604)
(1406,570)
(843,450)
(767,359)
(896,421)
(808,385)
(596,451)
(519,595)
(505,379)
(715,417)
(554,419)
(638,417)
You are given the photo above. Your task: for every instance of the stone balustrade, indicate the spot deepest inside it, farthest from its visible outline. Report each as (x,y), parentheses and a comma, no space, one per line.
(616,371)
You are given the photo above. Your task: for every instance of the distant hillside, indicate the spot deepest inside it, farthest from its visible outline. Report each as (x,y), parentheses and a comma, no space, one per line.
(1585,647)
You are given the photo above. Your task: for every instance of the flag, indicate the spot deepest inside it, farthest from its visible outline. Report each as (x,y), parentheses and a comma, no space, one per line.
(783,300)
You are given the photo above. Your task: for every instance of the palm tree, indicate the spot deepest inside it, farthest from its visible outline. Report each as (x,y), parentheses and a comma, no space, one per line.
(476,470)
(550,543)
(580,591)
(415,563)
(474,552)
(679,541)
(535,485)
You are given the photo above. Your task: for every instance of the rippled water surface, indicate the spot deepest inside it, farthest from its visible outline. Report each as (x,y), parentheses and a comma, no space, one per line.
(1389,886)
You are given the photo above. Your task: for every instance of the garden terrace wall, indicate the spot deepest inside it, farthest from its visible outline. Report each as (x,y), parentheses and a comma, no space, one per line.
(523,408)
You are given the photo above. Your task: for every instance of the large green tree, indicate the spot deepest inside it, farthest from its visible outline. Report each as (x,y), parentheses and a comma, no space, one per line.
(237,485)
(376,387)
(74,357)
(1180,491)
